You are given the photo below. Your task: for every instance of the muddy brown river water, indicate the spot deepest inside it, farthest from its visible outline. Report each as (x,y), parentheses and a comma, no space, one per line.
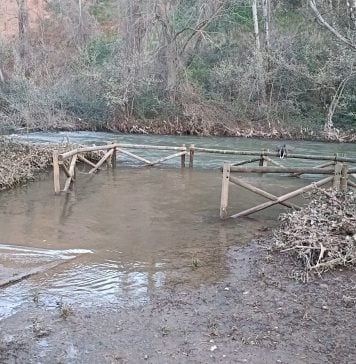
(137,228)
(145,258)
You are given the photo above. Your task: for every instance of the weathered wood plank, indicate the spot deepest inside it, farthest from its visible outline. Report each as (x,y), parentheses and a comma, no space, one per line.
(275,163)
(328,164)
(344,178)
(263,159)
(283,198)
(134,156)
(85,160)
(260,192)
(167,158)
(225,191)
(65,169)
(282,170)
(270,154)
(56,181)
(71,171)
(116,145)
(191,156)
(245,162)
(102,161)
(114,157)
(182,158)
(337,176)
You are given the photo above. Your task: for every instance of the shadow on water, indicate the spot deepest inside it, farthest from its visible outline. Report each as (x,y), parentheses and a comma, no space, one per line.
(149,229)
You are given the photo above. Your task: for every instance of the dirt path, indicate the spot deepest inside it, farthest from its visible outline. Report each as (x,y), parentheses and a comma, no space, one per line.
(256,315)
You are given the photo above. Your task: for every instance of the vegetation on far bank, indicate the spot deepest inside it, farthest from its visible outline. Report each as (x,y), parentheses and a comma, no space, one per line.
(228,67)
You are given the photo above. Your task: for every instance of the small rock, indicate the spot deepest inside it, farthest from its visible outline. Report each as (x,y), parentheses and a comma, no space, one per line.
(146,357)
(213,348)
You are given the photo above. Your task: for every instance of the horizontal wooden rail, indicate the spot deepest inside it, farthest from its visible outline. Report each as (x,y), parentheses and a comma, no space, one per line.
(271,154)
(302,170)
(112,146)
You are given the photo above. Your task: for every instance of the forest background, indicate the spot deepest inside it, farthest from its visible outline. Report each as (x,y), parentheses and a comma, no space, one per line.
(269,68)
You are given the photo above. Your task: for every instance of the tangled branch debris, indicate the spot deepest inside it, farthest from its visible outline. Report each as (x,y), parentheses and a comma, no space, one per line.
(21,162)
(323,234)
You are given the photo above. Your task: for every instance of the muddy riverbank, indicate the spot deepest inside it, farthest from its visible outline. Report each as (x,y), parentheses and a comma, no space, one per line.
(256,314)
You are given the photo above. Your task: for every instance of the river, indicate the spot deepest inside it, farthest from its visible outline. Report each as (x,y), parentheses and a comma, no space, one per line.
(140,229)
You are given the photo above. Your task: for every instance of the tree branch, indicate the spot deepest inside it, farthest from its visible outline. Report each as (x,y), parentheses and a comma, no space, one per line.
(329,27)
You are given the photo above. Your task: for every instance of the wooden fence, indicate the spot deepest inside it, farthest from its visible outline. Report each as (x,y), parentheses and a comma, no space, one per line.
(67,161)
(339,174)
(335,166)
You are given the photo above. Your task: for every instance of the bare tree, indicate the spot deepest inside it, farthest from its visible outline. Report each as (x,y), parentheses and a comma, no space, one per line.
(332,29)
(22,16)
(174,44)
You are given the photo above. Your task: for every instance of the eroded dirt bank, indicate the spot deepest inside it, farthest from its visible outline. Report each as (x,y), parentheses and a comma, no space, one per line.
(257,314)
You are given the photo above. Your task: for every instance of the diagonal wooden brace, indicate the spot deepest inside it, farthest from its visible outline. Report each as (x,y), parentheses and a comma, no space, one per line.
(102,160)
(260,192)
(284,197)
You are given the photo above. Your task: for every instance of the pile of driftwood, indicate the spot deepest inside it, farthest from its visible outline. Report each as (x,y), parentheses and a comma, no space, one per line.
(322,234)
(21,162)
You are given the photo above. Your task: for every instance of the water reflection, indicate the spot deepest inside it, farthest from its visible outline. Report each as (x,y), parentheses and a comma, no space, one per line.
(145,229)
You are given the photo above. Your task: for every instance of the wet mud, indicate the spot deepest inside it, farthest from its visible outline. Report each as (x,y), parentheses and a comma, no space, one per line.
(256,314)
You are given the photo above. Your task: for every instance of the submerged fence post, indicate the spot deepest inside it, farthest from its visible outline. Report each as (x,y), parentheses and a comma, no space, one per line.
(191,156)
(113,157)
(57,186)
(182,157)
(263,160)
(225,191)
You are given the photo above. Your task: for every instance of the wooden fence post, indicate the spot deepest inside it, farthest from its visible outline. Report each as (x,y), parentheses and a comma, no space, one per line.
(182,158)
(57,186)
(344,177)
(191,156)
(263,160)
(225,191)
(337,175)
(113,158)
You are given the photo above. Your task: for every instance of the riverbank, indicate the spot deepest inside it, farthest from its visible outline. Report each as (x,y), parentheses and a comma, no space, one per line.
(261,130)
(257,314)
(21,162)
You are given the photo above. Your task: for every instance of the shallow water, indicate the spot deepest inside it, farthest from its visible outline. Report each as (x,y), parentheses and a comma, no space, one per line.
(147,228)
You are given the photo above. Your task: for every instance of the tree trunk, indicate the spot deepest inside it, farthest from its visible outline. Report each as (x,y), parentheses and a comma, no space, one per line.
(329,125)
(266,16)
(259,58)
(22,24)
(255,26)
